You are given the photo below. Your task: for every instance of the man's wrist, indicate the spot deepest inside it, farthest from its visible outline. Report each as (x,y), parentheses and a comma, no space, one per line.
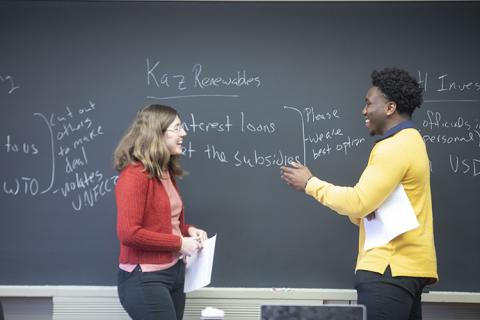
(306,182)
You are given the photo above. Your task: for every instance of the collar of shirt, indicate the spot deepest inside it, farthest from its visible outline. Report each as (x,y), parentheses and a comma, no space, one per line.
(399,127)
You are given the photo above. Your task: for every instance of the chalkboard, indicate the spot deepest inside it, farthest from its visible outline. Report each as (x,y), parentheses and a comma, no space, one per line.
(256,84)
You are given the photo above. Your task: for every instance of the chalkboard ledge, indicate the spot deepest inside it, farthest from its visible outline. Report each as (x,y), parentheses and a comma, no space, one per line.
(291,294)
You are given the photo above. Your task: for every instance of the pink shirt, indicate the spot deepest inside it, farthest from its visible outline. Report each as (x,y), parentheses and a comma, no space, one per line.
(176,207)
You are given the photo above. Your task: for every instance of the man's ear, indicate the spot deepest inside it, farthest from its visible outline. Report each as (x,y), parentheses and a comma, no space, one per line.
(391,107)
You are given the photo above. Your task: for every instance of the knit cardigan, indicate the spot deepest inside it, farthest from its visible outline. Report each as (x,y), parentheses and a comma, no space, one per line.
(144,224)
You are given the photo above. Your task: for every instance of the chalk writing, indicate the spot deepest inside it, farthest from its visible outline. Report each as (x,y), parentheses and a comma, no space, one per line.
(454,129)
(213,153)
(240,79)
(318,137)
(436,120)
(192,125)
(319,152)
(70,133)
(188,150)
(49,125)
(259,159)
(10,83)
(256,127)
(22,185)
(451,130)
(348,144)
(446,85)
(302,130)
(320,134)
(466,166)
(343,146)
(313,116)
(309,116)
(82,180)
(198,79)
(75,129)
(91,195)
(448,139)
(25,148)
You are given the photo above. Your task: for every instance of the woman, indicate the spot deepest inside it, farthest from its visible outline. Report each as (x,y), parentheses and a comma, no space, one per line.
(150,221)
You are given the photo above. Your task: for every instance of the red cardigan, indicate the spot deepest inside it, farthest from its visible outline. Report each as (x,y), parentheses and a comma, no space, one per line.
(144,225)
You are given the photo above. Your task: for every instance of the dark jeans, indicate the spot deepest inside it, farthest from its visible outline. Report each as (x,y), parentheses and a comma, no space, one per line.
(153,295)
(390,298)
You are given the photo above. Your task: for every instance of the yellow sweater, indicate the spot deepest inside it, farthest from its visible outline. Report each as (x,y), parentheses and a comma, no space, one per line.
(400,158)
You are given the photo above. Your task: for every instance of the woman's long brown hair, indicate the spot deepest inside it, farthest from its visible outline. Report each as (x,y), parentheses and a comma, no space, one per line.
(144,142)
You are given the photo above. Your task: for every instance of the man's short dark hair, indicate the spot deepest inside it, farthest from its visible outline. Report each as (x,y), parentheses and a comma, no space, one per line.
(400,87)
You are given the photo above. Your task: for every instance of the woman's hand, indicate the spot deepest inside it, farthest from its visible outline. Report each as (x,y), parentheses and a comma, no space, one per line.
(189,246)
(198,234)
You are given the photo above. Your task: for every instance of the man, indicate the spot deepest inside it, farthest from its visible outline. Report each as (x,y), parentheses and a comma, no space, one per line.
(389,279)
